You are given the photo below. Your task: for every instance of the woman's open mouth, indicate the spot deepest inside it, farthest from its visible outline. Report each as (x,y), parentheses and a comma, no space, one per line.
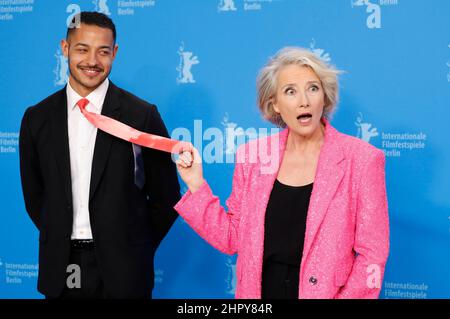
(304,118)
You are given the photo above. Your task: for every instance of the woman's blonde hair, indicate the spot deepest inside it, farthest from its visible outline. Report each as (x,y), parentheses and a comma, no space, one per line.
(267,80)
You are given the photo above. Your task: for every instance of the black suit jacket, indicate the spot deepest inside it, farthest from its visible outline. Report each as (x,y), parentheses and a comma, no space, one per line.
(127,222)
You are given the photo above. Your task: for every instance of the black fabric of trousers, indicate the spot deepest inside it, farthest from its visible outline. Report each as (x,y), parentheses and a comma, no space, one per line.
(279,281)
(91,283)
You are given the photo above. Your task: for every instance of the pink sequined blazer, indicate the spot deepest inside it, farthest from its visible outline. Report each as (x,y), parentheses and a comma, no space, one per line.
(346,242)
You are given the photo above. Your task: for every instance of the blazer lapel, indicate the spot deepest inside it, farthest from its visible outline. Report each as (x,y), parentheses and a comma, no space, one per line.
(60,136)
(265,181)
(111,108)
(329,174)
(268,175)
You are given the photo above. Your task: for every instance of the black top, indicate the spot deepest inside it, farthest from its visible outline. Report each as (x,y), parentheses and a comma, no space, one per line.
(284,233)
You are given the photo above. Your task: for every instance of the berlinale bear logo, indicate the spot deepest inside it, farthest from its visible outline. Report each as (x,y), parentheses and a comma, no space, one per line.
(227,5)
(61,70)
(101,6)
(365,130)
(187,60)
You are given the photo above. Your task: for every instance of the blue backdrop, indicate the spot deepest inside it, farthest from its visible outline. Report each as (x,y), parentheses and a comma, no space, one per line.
(198,61)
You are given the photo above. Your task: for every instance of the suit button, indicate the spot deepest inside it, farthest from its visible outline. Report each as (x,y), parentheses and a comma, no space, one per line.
(313,280)
(69,207)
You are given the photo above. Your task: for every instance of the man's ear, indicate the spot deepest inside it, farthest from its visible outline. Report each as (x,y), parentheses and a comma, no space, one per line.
(65,48)
(116,47)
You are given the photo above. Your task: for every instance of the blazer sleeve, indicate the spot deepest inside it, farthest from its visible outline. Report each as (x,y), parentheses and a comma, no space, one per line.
(372,233)
(162,187)
(30,173)
(204,213)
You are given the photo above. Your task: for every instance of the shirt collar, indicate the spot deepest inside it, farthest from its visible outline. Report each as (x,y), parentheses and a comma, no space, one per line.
(96,97)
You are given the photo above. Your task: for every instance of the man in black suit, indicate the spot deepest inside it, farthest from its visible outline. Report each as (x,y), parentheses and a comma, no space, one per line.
(102,205)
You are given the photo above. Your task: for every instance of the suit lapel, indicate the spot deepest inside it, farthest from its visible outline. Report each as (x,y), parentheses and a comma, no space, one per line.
(329,174)
(60,136)
(111,108)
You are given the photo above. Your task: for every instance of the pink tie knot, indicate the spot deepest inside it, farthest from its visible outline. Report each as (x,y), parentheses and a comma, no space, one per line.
(82,103)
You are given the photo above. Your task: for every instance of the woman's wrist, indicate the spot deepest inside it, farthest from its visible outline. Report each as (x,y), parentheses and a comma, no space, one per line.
(195,185)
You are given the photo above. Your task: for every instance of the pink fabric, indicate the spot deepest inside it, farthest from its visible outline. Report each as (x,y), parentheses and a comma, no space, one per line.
(348,213)
(127,133)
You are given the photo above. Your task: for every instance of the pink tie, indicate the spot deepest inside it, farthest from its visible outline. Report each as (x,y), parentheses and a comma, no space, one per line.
(127,133)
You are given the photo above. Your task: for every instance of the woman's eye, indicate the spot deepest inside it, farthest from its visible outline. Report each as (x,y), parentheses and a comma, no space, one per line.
(290,91)
(314,88)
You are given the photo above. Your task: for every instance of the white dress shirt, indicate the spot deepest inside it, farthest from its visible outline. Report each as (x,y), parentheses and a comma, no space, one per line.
(82,135)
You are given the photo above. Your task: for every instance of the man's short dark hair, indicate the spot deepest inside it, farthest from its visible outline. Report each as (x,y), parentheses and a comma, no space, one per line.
(92,18)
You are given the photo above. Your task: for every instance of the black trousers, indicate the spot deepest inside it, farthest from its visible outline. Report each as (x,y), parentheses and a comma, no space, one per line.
(91,284)
(279,281)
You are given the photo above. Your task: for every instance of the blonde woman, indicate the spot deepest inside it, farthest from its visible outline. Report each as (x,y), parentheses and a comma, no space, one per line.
(316,226)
